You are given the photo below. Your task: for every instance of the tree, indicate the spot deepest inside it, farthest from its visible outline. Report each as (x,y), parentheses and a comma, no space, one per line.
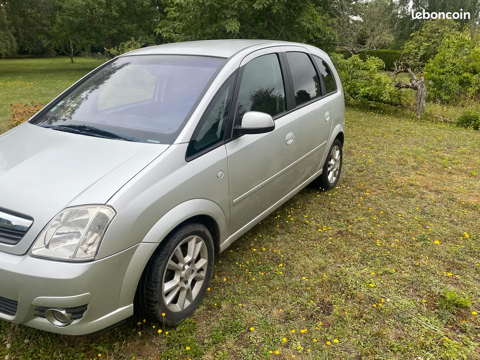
(297,20)
(363,25)
(8,44)
(424,44)
(29,22)
(81,24)
(453,74)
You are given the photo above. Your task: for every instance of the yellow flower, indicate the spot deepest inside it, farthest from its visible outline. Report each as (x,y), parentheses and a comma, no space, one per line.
(284,339)
(315,340)
(252,328)
(474,313)
(335,340)
(160,331)
(299,347)
(277,352)
(329,343)
(208,289)
(303,331)
(436,242)
(224,279)
(187,348)
(371,285)
(139,323)
(292,331)
(163,314)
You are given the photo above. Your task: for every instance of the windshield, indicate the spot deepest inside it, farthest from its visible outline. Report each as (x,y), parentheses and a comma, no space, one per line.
(146,98)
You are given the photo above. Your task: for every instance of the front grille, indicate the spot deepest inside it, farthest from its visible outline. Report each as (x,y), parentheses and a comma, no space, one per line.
(8,307)
(77,312)
(13,227)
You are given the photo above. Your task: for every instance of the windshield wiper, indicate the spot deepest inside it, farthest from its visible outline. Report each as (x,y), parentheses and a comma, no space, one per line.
(90,131)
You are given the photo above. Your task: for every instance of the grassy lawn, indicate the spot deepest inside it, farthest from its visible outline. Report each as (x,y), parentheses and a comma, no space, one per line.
(360,272)
(39,80)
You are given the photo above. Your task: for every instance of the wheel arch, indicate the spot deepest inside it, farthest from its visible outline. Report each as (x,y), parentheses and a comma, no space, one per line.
(201,211)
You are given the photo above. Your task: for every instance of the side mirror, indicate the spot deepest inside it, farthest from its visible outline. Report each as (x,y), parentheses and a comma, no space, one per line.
(255,122)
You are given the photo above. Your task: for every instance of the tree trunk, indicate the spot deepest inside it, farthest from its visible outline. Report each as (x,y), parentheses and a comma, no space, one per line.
(71,50)
(421,96)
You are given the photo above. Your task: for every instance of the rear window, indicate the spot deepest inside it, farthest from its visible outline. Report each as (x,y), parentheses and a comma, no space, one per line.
(326,73)
(146,97)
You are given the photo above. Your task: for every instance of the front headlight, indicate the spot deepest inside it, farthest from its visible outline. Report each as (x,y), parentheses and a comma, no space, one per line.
(74,234)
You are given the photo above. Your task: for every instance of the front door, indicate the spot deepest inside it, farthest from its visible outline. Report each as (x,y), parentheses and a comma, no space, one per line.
(261,167)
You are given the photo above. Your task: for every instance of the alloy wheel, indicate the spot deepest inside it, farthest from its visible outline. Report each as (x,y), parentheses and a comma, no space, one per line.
(185,273)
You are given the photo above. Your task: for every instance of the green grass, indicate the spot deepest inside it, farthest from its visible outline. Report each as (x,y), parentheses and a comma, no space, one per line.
(387,264)
(39,80)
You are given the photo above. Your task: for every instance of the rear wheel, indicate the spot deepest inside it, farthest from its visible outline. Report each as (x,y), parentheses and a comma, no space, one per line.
(178,275)
(332,168)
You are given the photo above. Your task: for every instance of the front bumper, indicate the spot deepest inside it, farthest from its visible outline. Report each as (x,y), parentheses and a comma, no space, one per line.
(36,283)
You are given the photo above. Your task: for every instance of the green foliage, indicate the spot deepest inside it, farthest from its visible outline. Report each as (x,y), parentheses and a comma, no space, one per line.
(387,56)
(453,74)
(8,44)
(297,20)
(80,24)
(424,44)
(450,301)
(364,81)
(124,47)
(363,25)
(469,119)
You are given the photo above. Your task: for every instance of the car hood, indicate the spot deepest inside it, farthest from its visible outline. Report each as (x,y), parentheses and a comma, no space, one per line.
(42,171)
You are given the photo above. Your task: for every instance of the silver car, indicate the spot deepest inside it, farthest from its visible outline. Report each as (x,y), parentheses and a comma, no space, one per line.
(117,196)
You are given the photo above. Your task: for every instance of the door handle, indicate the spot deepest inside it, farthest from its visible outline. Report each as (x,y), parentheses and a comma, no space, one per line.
(327,116)
(290,138)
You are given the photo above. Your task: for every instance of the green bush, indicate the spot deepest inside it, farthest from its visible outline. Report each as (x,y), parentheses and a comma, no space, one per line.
(469,119)
(125,47)
(364,81)
(453,74)
(387,56)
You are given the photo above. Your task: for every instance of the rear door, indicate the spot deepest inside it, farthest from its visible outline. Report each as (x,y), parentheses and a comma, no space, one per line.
(313,111)
(261,167)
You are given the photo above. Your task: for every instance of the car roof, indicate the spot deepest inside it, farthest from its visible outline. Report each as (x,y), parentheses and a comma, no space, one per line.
(218,48)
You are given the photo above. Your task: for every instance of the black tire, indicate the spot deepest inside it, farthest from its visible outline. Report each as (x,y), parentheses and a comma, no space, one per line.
(150,300)
(323,182)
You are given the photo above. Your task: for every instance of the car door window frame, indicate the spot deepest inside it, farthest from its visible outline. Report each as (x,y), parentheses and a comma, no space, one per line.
(234,79)
(322,85)
(229,130)
(324,89)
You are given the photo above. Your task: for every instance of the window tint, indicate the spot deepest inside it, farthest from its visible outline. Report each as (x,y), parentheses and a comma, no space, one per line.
(262,87)
(212,124)
(326,74)
(306,84)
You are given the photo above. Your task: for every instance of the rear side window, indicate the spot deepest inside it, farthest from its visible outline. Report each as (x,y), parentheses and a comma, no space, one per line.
(262,87)
(306,84)
(212,125)
(327,76)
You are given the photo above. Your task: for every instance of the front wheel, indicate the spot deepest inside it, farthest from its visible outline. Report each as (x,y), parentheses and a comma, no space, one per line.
(177,276)
(332,168)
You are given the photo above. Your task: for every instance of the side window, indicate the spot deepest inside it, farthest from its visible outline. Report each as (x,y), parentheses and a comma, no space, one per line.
(262,87)
(306,84)
(326,73)
(212,125)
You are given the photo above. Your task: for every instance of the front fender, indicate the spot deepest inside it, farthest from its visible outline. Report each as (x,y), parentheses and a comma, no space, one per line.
(158,232)
(183,212)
